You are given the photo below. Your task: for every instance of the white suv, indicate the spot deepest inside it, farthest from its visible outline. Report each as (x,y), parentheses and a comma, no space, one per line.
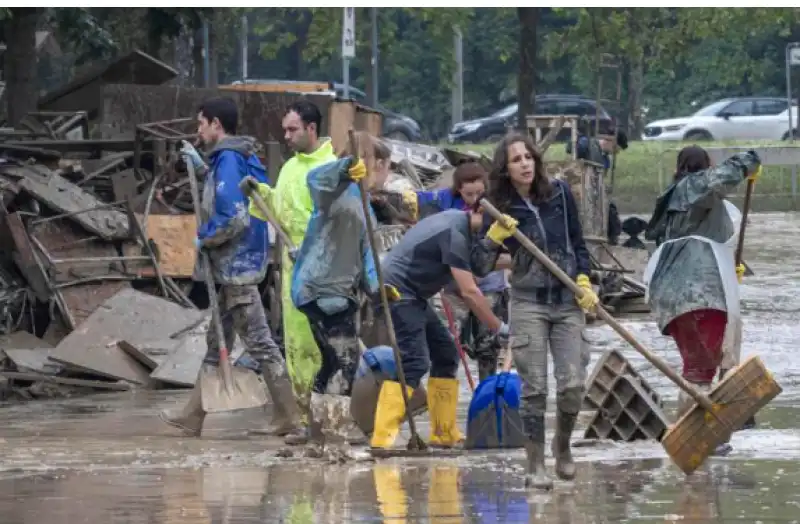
(748,118)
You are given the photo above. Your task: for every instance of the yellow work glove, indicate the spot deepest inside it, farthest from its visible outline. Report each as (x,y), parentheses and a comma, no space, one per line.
(739,272)
(755,174)
(265,192)
(499,231)
(391,292)
(357,171)
(589,299)
(412,203)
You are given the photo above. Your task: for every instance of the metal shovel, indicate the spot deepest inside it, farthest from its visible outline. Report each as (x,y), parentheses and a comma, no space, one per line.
(227,388)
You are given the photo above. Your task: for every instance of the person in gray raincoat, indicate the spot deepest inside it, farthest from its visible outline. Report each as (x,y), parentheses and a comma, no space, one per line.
(692,277)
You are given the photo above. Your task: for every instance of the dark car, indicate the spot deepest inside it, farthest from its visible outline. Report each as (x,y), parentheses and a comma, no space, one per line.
(395,125)
(494,126)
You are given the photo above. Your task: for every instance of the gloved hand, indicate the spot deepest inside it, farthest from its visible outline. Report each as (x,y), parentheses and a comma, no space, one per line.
(500,231)
(198,243)
(412,203)
(357,171)
(589,299)
(264,191)
(756,174)
(503,335)
(292,253)
(392,293)
(740,272)
(190,151)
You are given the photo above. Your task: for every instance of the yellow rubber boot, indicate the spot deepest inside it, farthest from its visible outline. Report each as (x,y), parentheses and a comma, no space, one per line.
(442,402)
(392,498)
(389,414)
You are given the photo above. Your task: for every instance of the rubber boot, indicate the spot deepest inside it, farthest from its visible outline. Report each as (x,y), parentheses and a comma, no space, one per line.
(190,418)
(565,423)
(442,403)
(536,476)
(750,423)
(389,414)
(286,418)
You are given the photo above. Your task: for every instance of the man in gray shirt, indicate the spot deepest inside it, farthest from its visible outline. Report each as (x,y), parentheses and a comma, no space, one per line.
(433,253)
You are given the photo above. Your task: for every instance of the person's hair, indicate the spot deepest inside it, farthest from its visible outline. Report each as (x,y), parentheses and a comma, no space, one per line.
(223,109)
(691,159)
(501,190)
(468,172)
(369,147)
(308,112)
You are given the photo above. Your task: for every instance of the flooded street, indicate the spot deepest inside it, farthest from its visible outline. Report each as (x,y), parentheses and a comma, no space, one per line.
(108,459)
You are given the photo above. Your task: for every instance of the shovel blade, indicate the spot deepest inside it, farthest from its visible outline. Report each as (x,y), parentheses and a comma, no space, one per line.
(247,390)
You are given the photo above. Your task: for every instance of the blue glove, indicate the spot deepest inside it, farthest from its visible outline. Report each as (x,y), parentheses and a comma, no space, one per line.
(189,150)
(503,335)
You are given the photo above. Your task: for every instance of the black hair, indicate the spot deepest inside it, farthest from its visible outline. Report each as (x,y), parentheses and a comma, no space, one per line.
(622,140)
(309,113)
(501,190)
(223,109)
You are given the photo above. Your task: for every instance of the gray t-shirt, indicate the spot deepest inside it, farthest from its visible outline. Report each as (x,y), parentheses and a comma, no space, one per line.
(419,265)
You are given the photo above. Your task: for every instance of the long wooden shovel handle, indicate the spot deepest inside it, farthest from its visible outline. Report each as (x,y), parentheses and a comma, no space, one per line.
(416,441)
(660,364)
(224,363)
(249,186)
(745,211)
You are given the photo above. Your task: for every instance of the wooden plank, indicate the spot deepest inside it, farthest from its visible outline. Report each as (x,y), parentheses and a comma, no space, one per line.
(130,315)
(174,236)
(64,381)
(33,359)
(149,357)
(63,196)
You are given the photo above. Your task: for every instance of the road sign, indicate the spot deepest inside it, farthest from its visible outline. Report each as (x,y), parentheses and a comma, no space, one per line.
(349,33)
(794,56)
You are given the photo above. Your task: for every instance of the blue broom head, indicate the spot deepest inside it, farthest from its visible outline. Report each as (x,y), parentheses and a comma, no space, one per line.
(502,389)
(379,359)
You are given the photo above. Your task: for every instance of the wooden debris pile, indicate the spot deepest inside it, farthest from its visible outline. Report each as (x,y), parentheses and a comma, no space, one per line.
(96,259)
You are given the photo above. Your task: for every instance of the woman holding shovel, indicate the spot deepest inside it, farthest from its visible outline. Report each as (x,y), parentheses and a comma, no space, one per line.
(542,312)
(692,277)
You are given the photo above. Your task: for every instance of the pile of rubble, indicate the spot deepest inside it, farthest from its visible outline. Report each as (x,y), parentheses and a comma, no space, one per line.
(96,259)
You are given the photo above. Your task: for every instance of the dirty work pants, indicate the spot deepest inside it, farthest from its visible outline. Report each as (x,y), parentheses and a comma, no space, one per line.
(338,343)
(535,328)
(243,314)
(423,340)
(699,335)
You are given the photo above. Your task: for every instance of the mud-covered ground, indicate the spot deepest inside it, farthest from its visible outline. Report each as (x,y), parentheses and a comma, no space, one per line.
(107,458)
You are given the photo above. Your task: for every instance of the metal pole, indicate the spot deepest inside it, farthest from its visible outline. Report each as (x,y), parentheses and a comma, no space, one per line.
(206,56)
(244,48)
(346,76)
(373,13)
(458,80)
(789,88)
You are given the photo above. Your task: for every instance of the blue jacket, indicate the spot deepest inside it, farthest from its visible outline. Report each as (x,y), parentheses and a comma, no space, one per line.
(237,243)
(442,199)
(335,259)
(555,227)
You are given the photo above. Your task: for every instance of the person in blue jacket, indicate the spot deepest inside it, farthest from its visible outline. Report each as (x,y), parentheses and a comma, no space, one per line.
(238,248)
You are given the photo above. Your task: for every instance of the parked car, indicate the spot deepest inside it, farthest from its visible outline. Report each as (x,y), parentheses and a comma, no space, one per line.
(494,126)
(744,118)
(395,125)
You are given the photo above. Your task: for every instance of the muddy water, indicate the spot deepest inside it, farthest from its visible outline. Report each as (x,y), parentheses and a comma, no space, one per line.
(108,459)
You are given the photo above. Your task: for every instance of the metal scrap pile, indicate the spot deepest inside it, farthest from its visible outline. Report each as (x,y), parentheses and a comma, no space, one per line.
(96,258)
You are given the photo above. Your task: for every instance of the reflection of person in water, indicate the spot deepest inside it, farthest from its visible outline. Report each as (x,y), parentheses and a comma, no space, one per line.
(444,497)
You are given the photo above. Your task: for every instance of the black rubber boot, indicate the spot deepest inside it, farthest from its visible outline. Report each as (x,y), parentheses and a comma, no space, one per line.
(565,423)
(536,476)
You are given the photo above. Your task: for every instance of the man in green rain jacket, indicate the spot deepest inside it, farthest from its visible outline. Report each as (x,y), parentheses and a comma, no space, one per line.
(291,203)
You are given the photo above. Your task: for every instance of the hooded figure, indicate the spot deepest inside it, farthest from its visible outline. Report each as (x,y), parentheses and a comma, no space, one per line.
(691,279)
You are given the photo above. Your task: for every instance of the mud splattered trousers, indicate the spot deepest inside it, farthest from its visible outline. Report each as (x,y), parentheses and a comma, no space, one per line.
(423,340)
(338,343)
(243,314)
(699,335)
(536,328)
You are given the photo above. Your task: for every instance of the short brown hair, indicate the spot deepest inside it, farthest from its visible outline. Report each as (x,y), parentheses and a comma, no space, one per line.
(468,172)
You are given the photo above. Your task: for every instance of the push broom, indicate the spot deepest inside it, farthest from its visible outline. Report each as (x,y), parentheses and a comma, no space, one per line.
(745,389)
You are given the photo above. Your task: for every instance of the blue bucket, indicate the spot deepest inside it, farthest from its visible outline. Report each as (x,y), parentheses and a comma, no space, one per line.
(493,419)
